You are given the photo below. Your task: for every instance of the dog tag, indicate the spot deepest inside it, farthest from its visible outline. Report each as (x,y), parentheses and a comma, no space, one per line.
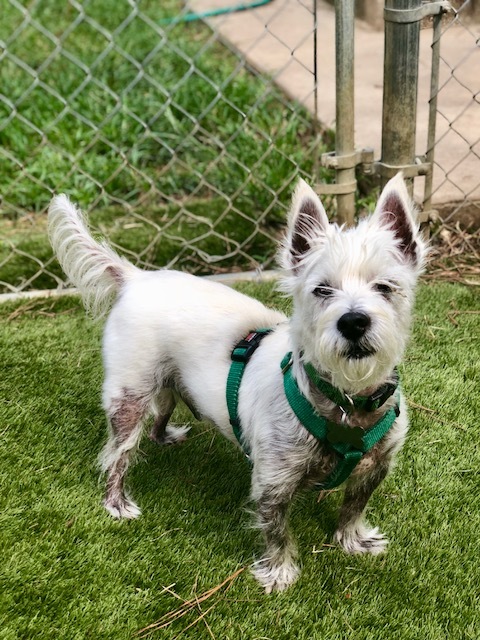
(343,434)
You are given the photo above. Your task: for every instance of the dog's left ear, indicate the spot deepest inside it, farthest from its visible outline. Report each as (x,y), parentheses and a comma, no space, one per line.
(307,222)
(396,211)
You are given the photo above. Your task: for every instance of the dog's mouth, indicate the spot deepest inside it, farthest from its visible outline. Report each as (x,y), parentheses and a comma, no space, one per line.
(356,351)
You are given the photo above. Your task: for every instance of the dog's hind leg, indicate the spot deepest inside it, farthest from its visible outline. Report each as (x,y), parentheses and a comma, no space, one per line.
(126,415)
(353,533)
(162,432)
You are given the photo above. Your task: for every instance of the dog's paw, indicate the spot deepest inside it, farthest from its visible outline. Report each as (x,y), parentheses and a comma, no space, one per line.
(121,508)
(171,435)
(361,539)
(275,577)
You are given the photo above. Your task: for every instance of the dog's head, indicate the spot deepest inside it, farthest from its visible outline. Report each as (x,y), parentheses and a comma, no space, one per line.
(353,289)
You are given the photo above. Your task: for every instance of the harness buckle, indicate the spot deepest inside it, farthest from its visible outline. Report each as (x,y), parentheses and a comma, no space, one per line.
(286,363)
(380,396)
(244,349)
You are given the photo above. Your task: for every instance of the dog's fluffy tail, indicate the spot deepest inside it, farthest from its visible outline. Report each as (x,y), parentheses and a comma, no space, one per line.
(93,267)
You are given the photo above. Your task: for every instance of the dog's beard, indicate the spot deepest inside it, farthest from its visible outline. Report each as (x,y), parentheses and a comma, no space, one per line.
(356,366)
(354,374)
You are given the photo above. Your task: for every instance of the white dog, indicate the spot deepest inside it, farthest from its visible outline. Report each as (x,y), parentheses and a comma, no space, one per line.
(328,410)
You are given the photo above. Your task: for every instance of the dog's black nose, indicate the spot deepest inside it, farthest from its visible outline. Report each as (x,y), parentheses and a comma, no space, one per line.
(352,325)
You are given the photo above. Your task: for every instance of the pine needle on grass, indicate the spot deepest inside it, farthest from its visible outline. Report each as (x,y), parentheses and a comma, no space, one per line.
(452,315)
(187,606)
(420,407)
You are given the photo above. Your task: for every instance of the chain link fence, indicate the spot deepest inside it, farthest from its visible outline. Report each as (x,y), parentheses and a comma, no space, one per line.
(456,167)
(160,126)
(183,155)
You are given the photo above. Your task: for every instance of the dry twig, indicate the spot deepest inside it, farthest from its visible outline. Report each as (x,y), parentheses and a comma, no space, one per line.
(455,256)
(435,413)
(37,308)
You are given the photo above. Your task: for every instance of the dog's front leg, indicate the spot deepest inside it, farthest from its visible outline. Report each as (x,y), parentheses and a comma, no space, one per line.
(277,569)
(353,533)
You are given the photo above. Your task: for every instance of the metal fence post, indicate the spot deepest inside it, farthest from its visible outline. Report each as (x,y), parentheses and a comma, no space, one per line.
(432,116)
(346,158)
(400,88)
(345,103)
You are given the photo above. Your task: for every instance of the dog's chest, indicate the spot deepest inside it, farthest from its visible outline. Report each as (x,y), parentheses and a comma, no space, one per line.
(322,460)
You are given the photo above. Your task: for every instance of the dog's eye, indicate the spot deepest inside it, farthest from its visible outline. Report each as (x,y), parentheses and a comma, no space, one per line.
(323,291)
(383,288)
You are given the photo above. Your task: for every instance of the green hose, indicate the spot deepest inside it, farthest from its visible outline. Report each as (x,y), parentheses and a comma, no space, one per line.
(191,17)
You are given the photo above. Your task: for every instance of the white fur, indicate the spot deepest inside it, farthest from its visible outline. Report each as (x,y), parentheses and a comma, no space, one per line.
(277,579)
(359,538)
(170,334)
(92,266)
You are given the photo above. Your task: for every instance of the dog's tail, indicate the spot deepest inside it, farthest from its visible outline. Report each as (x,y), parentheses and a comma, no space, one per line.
(93,267)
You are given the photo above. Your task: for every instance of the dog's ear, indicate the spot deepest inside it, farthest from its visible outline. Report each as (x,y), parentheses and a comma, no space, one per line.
(307,222)
(396,211)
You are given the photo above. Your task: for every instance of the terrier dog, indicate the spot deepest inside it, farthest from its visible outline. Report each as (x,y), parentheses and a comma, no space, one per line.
(170,336)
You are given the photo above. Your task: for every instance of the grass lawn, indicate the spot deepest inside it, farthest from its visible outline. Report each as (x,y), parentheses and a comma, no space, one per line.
(70,571)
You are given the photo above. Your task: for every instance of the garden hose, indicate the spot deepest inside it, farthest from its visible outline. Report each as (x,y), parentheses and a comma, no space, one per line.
(191,17)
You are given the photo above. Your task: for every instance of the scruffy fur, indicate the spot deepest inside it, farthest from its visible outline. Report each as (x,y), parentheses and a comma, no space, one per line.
(169,336)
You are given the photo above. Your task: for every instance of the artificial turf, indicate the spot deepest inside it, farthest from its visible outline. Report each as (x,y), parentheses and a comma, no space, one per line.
(71,571)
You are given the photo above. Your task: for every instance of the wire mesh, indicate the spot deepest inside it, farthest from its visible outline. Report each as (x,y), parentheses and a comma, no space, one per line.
(183,155)
(457,144)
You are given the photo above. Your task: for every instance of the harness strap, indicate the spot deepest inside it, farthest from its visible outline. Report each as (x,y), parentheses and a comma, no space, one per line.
(241,354)
(349,443)
(367,403)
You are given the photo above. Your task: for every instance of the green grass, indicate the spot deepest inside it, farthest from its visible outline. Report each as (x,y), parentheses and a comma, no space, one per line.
(194,140)
(70,571)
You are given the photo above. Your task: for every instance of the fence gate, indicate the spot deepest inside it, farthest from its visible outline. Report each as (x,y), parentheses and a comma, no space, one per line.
(457,186)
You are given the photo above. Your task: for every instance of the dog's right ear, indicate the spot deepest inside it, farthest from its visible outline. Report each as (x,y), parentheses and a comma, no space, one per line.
(396,212)
(307,222)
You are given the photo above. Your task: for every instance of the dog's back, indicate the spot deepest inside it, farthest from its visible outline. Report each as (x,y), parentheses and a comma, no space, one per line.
(163,325)
(167,324)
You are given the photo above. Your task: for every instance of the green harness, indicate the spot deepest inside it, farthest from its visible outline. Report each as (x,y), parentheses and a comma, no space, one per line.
(349,443)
